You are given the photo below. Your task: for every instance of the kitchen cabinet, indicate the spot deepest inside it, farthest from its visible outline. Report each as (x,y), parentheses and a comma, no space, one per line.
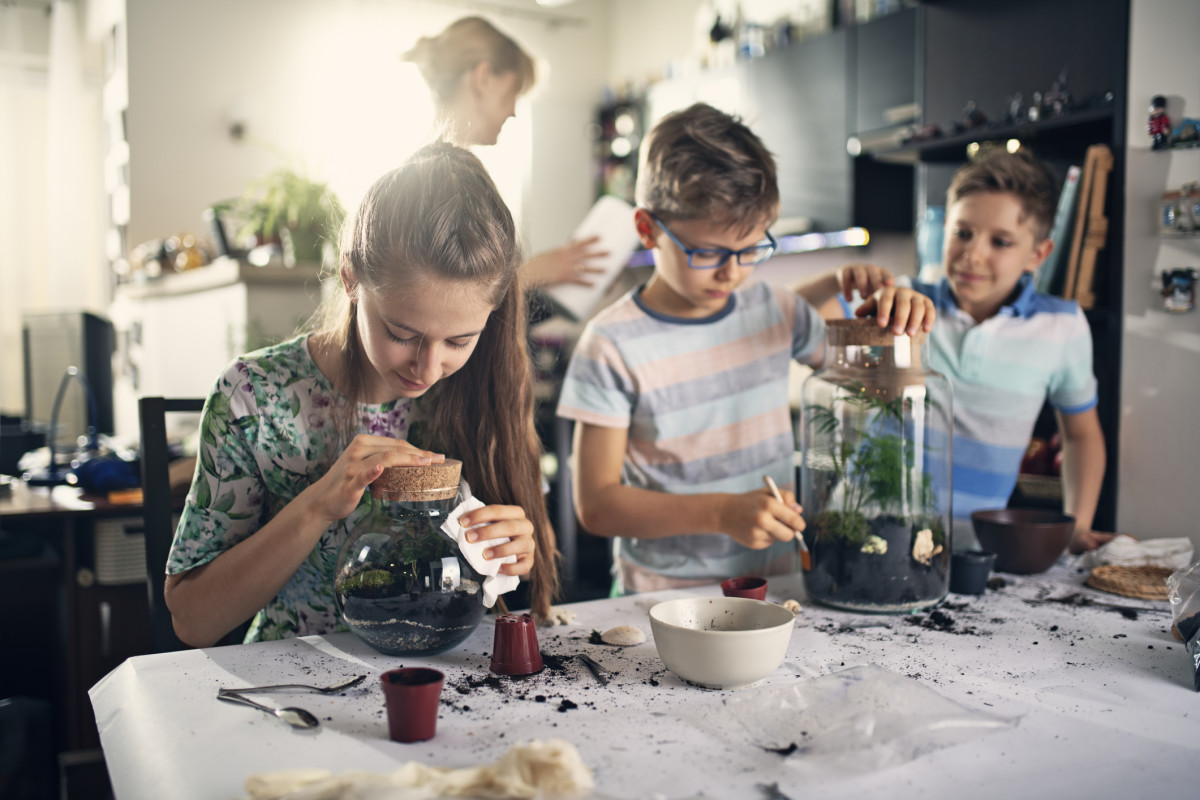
(177,333)
(886,69)
(76,614)
(802,101)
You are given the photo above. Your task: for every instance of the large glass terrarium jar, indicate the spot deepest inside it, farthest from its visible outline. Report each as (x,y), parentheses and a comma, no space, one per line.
(402,584)
(875,434)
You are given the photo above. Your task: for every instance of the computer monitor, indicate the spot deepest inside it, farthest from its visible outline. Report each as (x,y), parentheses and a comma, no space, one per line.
(52,342)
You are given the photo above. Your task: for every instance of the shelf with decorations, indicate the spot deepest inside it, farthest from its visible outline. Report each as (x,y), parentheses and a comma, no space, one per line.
(1051,135)
(616,133)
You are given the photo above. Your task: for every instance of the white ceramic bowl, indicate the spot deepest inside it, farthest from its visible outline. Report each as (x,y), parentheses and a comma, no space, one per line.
(721,642)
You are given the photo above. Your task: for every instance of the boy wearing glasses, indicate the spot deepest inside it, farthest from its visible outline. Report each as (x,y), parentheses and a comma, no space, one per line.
(679,389)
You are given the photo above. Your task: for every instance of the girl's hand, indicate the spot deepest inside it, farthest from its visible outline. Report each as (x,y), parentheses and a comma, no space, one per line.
(500,522)
(906,309)
(867,278)
(757,520)
(339,490)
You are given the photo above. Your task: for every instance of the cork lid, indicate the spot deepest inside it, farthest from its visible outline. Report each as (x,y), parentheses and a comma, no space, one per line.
(865,333)
(429,482)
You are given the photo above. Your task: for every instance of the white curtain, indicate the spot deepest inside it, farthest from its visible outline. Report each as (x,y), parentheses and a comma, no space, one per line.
(52,216)
(65,145)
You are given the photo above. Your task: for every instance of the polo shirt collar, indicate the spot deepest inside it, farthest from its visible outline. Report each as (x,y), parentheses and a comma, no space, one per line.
(1022,306)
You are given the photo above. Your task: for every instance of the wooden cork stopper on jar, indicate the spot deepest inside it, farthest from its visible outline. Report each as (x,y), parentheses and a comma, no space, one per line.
(864,333)
(428,482)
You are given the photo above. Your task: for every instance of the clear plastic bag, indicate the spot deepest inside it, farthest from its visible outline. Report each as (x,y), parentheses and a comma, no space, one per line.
(858,719)
(1183,590)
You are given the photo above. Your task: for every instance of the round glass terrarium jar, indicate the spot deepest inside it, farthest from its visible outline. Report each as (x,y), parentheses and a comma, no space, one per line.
(875,431)
(402,584)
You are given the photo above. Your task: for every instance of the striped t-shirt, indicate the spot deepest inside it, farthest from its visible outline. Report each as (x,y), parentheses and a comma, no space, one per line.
(1002,371)
(706,405)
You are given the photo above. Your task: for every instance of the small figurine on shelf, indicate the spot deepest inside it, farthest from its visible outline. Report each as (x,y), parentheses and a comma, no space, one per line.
(924,133)
(973,118)
(1179,289)
(1187,207)
(1159,124)
(1034,112)
(1186,134)
(1058,100)
(1170,214)
(1016,111)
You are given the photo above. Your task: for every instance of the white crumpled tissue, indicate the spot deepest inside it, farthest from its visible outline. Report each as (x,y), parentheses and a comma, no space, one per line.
(494,584)
(1125,551)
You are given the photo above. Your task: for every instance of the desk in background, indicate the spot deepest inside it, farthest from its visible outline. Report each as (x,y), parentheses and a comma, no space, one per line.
(1104,705)
(70,619)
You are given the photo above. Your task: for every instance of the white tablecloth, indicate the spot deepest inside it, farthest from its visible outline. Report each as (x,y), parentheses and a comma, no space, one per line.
(1103,705)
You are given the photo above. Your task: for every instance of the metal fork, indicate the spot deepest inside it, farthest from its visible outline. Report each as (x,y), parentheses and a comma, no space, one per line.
(302,687)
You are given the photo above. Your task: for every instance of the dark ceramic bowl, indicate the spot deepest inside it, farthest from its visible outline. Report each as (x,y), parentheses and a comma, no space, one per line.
(1025,540)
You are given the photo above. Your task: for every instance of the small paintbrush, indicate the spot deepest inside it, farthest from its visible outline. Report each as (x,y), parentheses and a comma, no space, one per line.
(805,556)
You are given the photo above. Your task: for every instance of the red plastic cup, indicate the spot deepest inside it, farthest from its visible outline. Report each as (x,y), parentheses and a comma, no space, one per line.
(412,695)
(754,588)
(515,646)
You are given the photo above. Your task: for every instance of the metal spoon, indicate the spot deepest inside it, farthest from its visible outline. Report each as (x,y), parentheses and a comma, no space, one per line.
(303,687)
(296,717)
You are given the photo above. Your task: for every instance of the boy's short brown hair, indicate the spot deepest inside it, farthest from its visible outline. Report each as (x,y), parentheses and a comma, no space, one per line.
(704,163)
(1019,174)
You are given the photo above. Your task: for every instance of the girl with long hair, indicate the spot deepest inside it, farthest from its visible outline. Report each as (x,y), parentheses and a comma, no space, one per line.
(420,354)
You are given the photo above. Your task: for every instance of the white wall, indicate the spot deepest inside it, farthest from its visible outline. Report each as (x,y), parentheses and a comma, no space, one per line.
(648,36)
(1160,362)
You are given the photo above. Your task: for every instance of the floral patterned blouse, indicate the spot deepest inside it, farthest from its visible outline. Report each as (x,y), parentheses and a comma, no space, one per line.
(266,433)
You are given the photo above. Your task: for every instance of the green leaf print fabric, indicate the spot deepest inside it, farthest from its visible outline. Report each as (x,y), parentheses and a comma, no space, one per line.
(268,432)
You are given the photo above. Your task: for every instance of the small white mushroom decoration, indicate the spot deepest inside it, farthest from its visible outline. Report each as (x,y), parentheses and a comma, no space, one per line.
(623,636)
(792,606)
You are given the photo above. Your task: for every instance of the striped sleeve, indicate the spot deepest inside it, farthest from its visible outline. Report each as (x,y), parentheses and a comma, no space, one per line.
(598,388)
(808,328)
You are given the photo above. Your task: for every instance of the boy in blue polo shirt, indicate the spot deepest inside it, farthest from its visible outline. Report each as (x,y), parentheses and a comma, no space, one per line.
(1006,349)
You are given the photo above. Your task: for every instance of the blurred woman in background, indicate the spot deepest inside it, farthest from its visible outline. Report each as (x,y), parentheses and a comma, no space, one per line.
(475,74)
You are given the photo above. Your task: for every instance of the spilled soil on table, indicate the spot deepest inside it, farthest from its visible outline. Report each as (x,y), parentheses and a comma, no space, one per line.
(562,683)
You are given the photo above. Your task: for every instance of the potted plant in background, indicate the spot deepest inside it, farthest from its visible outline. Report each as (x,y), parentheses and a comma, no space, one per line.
(875,482)
(288,207)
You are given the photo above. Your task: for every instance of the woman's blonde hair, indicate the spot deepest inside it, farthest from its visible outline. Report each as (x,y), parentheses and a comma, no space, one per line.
(440,215)
(445,58)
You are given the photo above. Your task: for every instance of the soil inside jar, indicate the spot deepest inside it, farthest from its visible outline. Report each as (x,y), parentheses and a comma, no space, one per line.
(416,623)
(844,576)
(402,586)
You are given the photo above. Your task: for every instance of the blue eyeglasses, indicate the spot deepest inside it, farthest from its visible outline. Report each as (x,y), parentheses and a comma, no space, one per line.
(713,257)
